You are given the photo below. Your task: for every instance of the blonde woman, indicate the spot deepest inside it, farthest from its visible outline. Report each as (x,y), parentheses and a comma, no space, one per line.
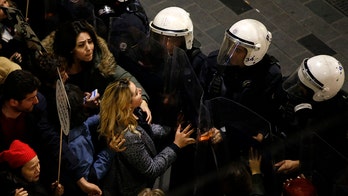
(139,164)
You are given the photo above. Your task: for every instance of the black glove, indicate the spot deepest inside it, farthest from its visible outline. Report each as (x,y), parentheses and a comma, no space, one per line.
(217,86)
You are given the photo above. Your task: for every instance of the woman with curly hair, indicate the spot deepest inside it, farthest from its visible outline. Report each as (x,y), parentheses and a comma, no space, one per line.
(90,64)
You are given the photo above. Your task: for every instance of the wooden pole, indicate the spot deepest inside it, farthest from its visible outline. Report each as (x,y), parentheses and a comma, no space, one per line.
(60,154)
(26,11)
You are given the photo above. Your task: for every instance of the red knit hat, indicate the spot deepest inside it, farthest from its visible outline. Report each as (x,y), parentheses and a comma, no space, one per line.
(18,154)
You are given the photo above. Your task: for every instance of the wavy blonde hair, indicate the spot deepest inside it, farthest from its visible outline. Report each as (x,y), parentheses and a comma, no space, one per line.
(116,113)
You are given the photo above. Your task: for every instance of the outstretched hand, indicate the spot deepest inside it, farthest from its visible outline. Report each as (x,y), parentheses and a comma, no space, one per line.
(254,161)
(213,135)
(287,166)
(216,136)
(182,138)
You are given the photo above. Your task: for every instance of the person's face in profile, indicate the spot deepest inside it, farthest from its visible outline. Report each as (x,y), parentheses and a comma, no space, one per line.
(136,95)
(84,48)
(31,170)
(27,104)
(238,56)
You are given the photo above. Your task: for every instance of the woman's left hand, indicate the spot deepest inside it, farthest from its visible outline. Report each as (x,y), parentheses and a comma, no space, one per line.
(147,110)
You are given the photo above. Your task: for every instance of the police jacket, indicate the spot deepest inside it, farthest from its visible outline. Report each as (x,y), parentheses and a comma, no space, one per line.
(252,86)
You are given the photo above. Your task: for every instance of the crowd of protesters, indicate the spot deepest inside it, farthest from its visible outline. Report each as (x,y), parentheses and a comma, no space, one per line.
(98,99)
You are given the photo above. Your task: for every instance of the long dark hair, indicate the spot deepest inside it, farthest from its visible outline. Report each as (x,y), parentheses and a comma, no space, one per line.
(66,35)
(236,179)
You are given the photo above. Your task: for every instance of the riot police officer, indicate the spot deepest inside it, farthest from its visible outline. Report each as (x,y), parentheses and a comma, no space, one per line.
(122,23)
(312,106)
(173,29)
(172,26)
(241,70)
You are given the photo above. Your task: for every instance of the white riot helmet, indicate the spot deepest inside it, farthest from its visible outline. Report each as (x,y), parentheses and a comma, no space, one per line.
(250,34)
(323,74)
(174,22)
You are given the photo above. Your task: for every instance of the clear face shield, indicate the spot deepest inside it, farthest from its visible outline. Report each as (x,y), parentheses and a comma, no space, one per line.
(148,53)
(295,88)
(233,50)
(169,42)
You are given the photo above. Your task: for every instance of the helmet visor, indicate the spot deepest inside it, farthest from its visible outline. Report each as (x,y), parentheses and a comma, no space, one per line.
(169,42)
(233,50)
(296,89)
(308,78)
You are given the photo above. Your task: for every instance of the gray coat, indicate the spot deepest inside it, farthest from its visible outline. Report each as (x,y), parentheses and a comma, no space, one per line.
(139,165)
